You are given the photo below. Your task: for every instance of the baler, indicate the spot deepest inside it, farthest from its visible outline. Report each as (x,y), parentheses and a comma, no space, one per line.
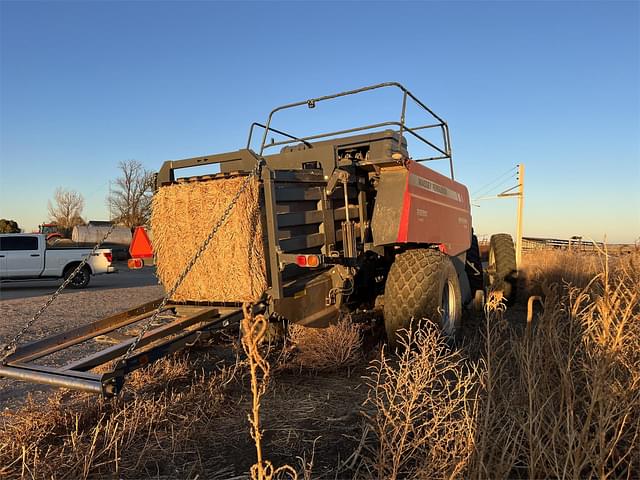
(350,223)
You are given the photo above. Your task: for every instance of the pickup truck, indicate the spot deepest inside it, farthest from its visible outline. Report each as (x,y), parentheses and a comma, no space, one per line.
(28,257)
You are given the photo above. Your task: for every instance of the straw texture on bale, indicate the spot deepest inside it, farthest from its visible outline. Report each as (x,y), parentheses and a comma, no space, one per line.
(232,268)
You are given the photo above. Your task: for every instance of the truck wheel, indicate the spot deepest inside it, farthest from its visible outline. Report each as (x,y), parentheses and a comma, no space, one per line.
(422,283)
(502,270)
(82,278)
(474,271)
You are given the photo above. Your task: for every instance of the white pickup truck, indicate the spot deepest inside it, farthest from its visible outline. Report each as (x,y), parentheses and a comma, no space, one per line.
(27,257)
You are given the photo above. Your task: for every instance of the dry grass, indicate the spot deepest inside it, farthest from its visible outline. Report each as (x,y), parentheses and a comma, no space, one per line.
(156,429)
(326,349)
(561,266)
(562,399)
(423,409)
(559,398)
(233,268)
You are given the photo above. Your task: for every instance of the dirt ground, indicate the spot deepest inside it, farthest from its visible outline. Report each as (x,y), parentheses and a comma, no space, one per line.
(307,418)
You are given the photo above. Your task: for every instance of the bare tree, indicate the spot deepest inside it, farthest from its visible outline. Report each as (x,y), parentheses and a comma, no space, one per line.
(130,198)
(66,208)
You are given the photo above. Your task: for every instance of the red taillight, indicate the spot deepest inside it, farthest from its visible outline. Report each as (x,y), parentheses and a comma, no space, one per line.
(108,256)
(308,260)
(135,263)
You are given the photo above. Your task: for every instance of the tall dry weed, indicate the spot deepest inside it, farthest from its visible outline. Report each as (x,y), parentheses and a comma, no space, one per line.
(558,399)
(422,409)
(561,267)
(562,399)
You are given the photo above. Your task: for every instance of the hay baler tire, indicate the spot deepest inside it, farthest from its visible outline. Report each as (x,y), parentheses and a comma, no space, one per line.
(81,280)
(422,284)
(502,269)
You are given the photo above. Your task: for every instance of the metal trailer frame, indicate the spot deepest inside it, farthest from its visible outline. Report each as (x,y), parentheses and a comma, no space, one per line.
(191,323)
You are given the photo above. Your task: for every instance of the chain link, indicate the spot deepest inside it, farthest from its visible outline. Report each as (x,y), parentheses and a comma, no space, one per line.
(189,266)
(10,347)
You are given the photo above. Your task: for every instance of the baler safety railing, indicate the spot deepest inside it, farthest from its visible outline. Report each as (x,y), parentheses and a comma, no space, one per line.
(443,152)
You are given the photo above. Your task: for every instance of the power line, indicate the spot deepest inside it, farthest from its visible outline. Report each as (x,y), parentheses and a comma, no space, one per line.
(489,193)
(496,182)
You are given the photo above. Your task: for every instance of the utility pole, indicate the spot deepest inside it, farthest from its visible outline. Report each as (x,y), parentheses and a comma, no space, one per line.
(520,208)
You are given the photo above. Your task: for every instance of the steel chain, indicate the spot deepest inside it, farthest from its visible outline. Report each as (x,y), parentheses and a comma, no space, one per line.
(194,259)
(9,348)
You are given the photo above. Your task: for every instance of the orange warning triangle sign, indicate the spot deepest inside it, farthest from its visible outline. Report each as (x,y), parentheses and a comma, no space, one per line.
(140,244)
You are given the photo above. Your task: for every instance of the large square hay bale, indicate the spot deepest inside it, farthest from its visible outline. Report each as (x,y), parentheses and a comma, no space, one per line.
(233,267)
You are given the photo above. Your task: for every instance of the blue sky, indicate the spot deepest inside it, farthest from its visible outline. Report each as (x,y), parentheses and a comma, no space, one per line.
(84,85)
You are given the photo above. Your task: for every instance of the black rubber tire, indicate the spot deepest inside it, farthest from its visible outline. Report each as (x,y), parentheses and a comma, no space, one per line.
(503,273)
(81,280)
(476,280)
(414,291)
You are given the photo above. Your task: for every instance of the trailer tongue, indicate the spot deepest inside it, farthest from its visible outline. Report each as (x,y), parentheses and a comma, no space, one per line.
(179,326)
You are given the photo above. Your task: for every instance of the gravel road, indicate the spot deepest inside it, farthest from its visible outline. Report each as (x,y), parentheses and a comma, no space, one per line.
(124,278)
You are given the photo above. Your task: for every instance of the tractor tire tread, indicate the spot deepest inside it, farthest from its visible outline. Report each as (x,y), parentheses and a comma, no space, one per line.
(506,272)
(412,289)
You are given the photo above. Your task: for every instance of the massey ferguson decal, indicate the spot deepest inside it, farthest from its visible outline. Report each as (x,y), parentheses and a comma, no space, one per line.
(431,186)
